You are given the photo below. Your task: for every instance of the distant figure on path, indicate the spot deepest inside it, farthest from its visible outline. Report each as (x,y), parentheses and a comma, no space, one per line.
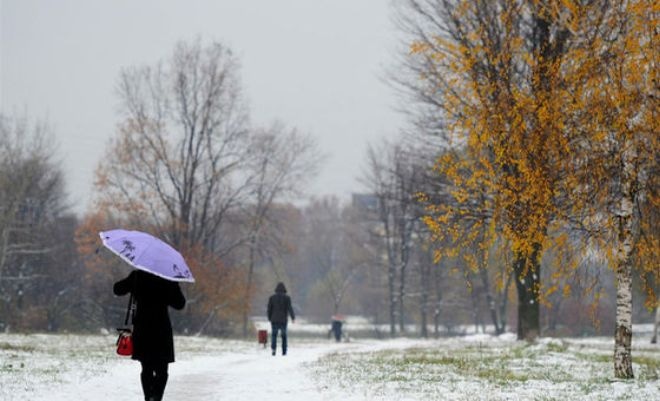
(153,344)
(335,327)
(279,310)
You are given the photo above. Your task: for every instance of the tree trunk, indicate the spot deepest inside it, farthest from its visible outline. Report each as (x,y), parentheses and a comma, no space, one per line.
(424,301)
(623,333)
(248,288)
(402,293)
(207,321)
(485,280)
(527,271)
(391,276)
(483,273)
(626,229)
(424,332)
(474,298)
(654,339)
(505,303)
(438,300)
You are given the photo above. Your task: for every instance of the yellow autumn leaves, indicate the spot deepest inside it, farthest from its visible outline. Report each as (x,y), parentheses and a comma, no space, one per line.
(538,119)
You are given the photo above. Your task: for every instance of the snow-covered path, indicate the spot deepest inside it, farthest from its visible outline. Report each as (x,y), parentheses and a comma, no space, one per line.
(250,373)
(254,375)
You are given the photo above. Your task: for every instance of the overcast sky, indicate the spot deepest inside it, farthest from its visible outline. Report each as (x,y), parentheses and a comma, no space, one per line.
(314,64)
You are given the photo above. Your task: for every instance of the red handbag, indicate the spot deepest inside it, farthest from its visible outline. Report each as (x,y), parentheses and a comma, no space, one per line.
(125,339)
(125,342)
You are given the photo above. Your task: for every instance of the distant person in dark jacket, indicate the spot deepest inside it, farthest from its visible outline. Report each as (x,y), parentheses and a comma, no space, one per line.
(279,310)
(335,327)
(153,344)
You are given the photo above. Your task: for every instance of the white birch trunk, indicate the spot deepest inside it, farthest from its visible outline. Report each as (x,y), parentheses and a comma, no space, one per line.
(626,229)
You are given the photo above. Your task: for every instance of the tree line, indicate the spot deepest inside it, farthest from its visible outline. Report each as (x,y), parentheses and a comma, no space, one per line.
(373,257)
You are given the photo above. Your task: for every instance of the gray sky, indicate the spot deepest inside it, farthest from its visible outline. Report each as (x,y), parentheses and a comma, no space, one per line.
(314,64)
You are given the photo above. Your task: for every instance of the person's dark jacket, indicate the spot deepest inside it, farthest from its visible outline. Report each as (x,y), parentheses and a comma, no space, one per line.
(279,306)
(152,330)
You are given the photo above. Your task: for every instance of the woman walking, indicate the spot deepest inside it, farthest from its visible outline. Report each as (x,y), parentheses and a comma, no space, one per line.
(153,344)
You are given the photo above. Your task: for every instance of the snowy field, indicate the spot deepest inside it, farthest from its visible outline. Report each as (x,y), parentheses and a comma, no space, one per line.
(481,367)
(476,367)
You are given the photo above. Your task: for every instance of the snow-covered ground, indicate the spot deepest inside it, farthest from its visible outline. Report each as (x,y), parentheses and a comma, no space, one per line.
(482,367)
(476,367)
(77,367)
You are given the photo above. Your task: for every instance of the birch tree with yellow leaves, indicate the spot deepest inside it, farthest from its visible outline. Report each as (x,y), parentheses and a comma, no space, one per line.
(614,116)
(554,102)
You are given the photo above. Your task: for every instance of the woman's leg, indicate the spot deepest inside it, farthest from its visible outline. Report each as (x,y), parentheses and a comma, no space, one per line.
(160,380)
(147,380)
(154,378)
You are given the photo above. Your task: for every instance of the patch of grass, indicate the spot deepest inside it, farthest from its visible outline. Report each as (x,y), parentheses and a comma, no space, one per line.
(462,363)
(649,368)
(493,368)
(598,358)
(519,352)
(651,363)
(501,376)
(587,387)
(481,364)
(4,346)
(560,348)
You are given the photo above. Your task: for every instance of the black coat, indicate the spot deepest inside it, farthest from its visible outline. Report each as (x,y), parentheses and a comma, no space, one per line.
(152,330)
(279,306)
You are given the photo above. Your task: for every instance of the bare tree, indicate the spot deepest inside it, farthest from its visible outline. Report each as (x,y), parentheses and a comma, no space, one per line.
(187,164)
(336,249)
(281,161)
(379,185)
(182,141)
(395,180)
(32,199)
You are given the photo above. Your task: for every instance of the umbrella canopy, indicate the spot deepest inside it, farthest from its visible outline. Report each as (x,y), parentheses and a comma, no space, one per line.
(146,252)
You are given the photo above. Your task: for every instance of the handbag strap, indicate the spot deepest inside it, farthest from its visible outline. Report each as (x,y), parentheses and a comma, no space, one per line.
(129,310)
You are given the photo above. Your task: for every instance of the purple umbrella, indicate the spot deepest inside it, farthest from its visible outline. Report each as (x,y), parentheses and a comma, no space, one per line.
(148,253)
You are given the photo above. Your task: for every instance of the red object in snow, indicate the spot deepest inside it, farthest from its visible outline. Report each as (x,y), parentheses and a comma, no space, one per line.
(262,337)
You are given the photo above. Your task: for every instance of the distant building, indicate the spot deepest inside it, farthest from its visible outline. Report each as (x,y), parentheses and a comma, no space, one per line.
(365,202)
